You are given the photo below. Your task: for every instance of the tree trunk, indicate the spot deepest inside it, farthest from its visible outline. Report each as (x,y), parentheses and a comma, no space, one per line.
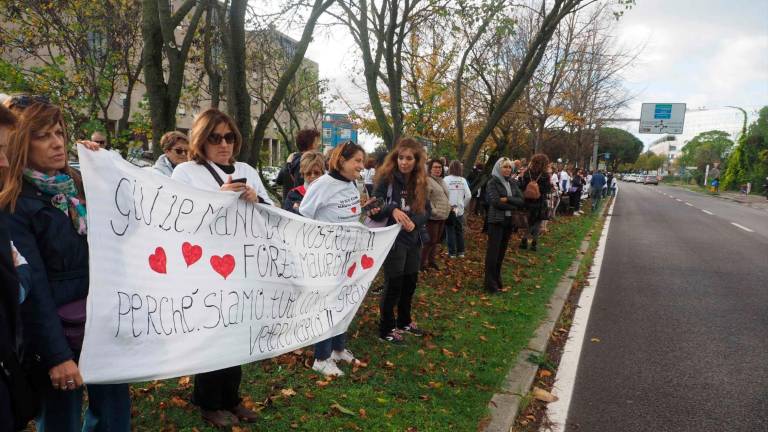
(238,98)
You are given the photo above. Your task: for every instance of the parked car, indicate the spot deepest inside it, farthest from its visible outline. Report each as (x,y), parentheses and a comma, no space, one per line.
(650,179)
(270,174)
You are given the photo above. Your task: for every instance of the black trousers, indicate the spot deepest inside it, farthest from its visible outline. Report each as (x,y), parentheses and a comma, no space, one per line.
(398,292)
(218,390)
(498,239)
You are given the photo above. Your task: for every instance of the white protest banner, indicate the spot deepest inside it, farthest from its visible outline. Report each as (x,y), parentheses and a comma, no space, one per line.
(184,281)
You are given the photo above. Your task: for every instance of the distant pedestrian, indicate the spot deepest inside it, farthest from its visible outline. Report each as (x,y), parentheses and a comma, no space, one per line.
(441,209)
(538,211)
(597,183)
(369,173)
(575,191)
(459,195)
(503,197)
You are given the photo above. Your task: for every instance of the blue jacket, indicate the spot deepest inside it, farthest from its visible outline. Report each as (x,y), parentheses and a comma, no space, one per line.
(58,261)
(598,181)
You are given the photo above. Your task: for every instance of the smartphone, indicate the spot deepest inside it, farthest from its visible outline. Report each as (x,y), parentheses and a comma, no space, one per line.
(240,180)
(372,205)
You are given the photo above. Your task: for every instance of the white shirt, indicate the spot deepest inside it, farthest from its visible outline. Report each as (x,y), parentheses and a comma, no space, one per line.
(368,175)
(565,181)
(555,181)
(329,199)
(195,174)
(459,193)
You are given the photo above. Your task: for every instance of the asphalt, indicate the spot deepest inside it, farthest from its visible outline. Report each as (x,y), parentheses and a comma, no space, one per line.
(677,339)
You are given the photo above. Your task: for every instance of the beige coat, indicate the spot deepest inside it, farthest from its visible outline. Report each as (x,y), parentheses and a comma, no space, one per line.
(438,198)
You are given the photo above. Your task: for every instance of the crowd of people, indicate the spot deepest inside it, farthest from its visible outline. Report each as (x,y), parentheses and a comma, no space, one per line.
(45,263)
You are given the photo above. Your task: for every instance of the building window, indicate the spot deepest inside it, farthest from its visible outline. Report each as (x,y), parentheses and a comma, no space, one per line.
(97,44)
(327,133)
(345,134)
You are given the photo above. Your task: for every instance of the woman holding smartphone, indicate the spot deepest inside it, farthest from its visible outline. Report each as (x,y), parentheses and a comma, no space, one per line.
(334,198)
(214,143)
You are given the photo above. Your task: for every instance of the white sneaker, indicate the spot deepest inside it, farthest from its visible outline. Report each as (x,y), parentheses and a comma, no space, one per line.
(345,356)
(327,367)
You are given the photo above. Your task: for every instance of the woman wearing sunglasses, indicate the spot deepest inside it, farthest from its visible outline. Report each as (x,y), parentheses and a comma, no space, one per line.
(214,143)
(175,148)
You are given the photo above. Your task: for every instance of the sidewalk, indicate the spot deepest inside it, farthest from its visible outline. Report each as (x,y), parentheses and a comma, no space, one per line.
(755,201)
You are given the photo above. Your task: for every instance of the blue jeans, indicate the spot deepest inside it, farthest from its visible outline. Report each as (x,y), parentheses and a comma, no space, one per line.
(336,343)
(109,410)
(454,236)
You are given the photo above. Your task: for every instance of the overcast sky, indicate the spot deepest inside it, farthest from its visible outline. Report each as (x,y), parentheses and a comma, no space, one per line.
(706,53)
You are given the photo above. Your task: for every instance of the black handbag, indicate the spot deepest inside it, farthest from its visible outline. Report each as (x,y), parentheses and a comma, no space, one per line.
(25,399)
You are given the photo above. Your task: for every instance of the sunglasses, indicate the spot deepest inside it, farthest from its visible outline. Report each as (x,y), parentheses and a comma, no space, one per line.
(100,142)
(24,101)
(180,151)
(215,138)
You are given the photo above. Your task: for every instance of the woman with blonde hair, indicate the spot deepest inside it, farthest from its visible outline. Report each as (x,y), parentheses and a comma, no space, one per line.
(47,220)
(312,167)
(214,143)
(401,190)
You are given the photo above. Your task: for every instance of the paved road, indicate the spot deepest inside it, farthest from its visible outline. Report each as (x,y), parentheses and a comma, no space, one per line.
(681,313)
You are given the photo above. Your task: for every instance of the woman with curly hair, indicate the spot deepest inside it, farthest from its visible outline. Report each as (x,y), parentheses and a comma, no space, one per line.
(401,188)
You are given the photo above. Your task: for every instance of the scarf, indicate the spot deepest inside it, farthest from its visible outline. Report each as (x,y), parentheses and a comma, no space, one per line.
(64,192)
(504,181)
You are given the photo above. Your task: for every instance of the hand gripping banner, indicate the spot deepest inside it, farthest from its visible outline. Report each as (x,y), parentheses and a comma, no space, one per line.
(184,281)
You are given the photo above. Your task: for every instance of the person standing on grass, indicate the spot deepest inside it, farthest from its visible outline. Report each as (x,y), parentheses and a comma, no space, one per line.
(537,207)
(214,143)
(334,198)
(574,192)
(47,221)
(401,184)
(441,209)
(597,183)
(369,173)
(312,167)
(459,196)
(503,196)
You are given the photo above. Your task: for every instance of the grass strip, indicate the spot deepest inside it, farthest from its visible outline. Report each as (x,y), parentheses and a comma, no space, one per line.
(442,381)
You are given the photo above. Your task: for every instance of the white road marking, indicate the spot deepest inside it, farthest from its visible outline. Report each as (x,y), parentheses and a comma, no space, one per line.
(565,378)
(741,226)
(689,204)
(708,212)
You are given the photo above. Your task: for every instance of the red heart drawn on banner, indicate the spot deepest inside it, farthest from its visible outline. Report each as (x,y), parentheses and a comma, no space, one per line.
(366,262)
(354,210)
(157,260)
(192,253)
(223,265)
(351,270)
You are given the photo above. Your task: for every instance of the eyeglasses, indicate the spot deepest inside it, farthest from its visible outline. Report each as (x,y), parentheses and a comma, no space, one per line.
(179,151)
(215,138)
(24,101)
(101,142)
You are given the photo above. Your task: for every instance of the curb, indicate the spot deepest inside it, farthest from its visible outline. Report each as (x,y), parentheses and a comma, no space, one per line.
(505,404)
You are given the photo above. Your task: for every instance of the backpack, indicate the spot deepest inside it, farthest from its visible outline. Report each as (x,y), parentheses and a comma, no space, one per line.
(532,191)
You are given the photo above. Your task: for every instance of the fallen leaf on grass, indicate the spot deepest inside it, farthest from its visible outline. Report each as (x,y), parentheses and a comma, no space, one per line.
(447,353)
(483,338)
(389,365)
(288,392)
(434,384)
(544,373)
(363,413)
(543,395)
(322,383)
(178,402)
(342,409)
(184,382)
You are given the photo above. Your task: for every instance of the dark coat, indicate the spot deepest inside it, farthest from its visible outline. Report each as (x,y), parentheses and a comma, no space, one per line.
(10,325)
(418,236)
(58,260)
(537,209)
(294,196)
(494,192)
